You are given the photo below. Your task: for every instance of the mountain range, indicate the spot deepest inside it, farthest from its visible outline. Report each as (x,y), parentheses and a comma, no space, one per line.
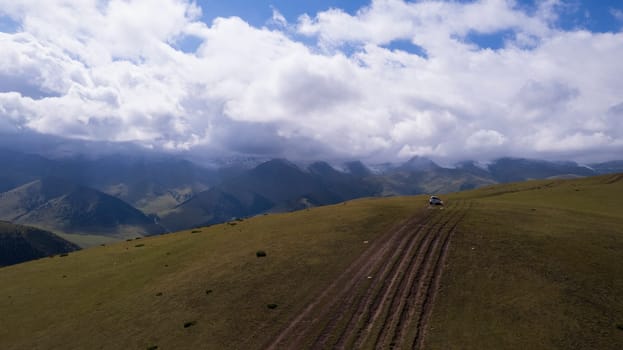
(60,205)
(120,194)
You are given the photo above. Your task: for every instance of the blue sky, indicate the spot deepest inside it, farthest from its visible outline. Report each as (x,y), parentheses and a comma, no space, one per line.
(592,15)
(378,81)
(258,12)
(595,16)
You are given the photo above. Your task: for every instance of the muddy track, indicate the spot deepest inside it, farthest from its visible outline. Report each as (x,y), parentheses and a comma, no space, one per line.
(384,299)
(373,297)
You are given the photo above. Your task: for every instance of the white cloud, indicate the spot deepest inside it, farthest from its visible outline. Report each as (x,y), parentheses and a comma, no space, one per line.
(278,19)
(485,139)
(617,14)
(110,71)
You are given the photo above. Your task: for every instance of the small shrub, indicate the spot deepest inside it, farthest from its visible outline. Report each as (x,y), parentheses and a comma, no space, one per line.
(64,254)
(231,223)
(159,294)
(139,245)
(271,306)
(153,347)
(208,291)
(129,240)
(137,238)
(103,245)
(260,254)
(195,231)
(620,326)
(189,324)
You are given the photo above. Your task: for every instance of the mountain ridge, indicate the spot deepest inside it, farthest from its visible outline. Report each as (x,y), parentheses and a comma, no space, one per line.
(20,243)
(183,194)
(60,205)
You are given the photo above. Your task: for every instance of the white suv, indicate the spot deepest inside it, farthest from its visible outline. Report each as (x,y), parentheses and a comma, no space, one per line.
(435,201)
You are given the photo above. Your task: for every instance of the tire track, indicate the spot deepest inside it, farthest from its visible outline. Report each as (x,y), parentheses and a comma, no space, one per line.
(421,295)
(385,297)
(385,314)
(300,326)
(373,296)
(420,268)
(346,305)
(431,292)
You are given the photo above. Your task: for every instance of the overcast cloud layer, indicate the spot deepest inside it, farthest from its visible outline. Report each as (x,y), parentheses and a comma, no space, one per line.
(326,86)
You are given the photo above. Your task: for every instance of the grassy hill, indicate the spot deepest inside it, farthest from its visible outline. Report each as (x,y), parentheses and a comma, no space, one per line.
(535,265)
(140,293)
(532,265)
(20,243)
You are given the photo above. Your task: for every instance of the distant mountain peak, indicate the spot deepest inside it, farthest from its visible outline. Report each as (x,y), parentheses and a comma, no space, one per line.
(419,163)
(321,168)
(357,168)
(278,162)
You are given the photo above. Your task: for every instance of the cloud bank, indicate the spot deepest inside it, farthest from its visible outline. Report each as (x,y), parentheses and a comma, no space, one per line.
(329,85)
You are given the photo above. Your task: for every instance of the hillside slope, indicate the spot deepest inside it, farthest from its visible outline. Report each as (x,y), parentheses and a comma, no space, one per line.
(59,205)
(535,265)
(531,265)
(20,243)
(141,293)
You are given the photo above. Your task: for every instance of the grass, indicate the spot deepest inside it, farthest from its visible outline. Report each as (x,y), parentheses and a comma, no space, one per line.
(87,241)
(110,297)
(535,265)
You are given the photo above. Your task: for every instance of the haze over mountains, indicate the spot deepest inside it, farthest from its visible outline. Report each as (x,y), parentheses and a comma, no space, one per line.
(60,205)
(143,195)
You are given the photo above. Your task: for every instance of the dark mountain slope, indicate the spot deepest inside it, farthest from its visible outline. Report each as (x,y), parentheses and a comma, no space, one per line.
(276,185)
(419,164)
(20,201)
(20,243)
(346,185)
(358,169)
(56,204)
(514,169)
(421,175)
(150,183)
(615,166)
(435,181)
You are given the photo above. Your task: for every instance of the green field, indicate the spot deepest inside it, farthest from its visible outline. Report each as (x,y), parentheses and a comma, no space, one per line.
(109,297)
(535,265)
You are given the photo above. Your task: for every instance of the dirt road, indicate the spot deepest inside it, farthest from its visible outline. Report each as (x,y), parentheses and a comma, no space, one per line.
(384,299)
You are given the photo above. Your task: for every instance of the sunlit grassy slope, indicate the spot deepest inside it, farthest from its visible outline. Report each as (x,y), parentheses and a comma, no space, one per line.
(140,293)
(535,265)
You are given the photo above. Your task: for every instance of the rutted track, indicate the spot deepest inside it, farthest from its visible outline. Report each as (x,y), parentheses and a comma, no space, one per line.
(384,299)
